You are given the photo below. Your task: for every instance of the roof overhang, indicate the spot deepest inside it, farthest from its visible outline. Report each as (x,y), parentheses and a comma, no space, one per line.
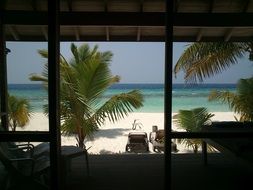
(132,20)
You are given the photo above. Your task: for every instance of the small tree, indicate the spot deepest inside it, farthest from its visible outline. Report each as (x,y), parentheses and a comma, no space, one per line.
(192,121)
(19,112)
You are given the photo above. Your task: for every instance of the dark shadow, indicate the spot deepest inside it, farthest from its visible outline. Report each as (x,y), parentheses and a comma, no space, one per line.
(103,151)
(110,133)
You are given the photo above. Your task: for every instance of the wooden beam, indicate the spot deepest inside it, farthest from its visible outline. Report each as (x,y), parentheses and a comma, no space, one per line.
(45,32)
(211,39)
(91,18)
(3,73)
(14,32)
(141,5)
(176,5)
(213,19)
(245,6)
(3,5)
(132,19)
(132,38)
(168,68)
(53,92)
(77,34)
(213,134)
(24,136)
(70,7)
(107,30)
(211,5)
(199,35)
(34,4)
(113,19)
(228,35)
(95,38)
(25,17)
(138,34)
(105,5)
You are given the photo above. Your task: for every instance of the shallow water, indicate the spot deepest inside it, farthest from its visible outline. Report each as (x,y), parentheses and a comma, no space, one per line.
(183,97)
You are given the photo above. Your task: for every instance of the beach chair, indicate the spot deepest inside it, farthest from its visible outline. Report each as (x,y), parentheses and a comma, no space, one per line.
(156,138)
(23,173)
(239,148)
(137,142)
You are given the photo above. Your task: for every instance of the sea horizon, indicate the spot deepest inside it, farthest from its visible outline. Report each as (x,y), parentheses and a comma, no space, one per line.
(183,96)
(187,84)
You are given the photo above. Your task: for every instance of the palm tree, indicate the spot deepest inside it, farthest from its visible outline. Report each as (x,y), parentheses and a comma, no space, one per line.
(192,121)
(241,101)
(19,112)
(202,60)
(83,81)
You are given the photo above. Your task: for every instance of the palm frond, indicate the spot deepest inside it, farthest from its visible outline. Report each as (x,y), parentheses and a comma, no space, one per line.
(36,77)
(202,60)
(118,106)
(240,102)
(93,77)
(74,51)
(43,53)
(192,120)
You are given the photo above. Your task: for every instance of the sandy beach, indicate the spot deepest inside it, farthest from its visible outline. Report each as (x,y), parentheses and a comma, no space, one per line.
(112,137)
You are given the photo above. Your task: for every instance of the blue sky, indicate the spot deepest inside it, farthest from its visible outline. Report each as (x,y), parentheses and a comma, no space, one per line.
(134,62)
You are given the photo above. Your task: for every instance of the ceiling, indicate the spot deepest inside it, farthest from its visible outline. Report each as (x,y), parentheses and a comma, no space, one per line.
(132,20)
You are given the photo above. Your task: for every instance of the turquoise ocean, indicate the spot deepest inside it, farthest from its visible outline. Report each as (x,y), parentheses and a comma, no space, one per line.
(183,96)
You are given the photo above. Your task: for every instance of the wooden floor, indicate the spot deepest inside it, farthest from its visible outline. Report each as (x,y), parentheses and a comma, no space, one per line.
(119,172)
(221,173)
(146,172)
(132,172)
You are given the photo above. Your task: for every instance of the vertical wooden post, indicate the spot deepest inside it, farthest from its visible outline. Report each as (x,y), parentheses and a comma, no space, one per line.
(3,71)
(168,91)
(204,152)
(53,91)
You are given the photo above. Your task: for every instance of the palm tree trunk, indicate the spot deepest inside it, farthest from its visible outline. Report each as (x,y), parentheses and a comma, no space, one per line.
(80,137)
(14,126)
(195,149)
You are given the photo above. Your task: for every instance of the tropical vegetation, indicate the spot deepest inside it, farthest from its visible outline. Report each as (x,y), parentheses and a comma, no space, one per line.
(240,101)
(20,112)
(201,60)
(192,121)
(83,82)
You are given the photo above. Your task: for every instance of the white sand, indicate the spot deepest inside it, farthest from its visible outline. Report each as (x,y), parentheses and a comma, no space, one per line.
(112,137)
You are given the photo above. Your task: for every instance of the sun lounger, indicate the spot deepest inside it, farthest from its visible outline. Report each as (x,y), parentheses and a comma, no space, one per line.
(156,138)
(240,148)
(137,142)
